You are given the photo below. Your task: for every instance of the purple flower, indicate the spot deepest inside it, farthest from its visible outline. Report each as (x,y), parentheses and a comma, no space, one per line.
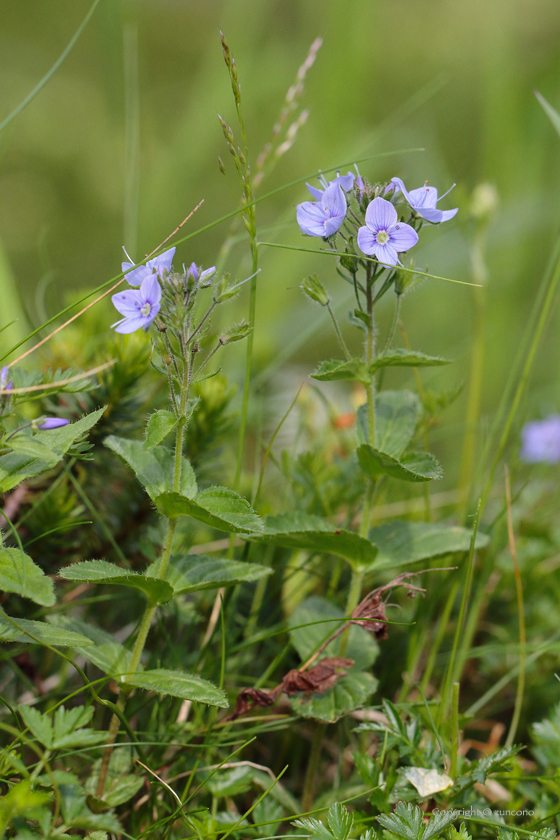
(157,266)
(384,236)
(4,383)
(423,201)
(139,306)
(325,216)
(541,441)
(198,275)
(344,181)
(51,423)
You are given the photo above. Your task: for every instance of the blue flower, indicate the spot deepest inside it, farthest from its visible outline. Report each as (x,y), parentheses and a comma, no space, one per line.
(135,275)
(423,201)
(50,423)
(5,385)
(139,306)
(540,441)
(325,216)
(344,181)
(383,236)
(198,275)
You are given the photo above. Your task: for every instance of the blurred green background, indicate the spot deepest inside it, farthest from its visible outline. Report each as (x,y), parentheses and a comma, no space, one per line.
(123,142)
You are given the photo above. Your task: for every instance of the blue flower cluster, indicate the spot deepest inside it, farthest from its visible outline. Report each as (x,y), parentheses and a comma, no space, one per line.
(140,306)
(383,235)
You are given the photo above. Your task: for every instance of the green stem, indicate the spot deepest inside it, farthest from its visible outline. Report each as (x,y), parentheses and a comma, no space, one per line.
(150,610)
(248,364)
(341,341)
(430,665)
(454,731)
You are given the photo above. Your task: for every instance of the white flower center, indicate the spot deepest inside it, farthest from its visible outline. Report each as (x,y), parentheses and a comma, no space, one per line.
(382,237)
(146,309)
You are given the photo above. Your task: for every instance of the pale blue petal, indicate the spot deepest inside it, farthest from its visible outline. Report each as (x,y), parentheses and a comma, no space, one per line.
(402,237)
(150,290)
(127,303)
(380,215)
(135,276)
(386,254)
(162,262)
(431,214)
(345,181)
(130,325)
(333,202)
(366,241)
(333,224)
(423,197)
(208,273)
(317,194)
(311,218)
(448,214)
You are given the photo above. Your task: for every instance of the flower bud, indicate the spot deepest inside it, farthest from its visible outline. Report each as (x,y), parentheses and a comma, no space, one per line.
(314,289)
(236,333)
(221,166)
(405,280)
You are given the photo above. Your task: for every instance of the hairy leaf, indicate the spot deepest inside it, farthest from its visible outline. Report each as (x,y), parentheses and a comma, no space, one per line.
(415,466)
(402,542)
(177,684)
(334,370)
(301,530)
(160,424)
(37,632)
(19,574)
(16,466)
(196,571)
(153,469)
(100,571)
(217,507)
(406,358)
(102,651)
(396,416)
(348,694)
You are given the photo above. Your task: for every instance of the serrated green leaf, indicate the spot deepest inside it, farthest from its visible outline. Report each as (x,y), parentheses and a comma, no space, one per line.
(217,507)
(102,651)
(177,684)
(407,821)
(16,466)
(19,574)
(348,693)
(402,542)
(160,424)
(40,725)
(415,466)
(405,358)
(100,571)
(153,469)
(320,618)
(305,531)
(340,821)
(396,416)
(37,632)
(354,370)
(196,572)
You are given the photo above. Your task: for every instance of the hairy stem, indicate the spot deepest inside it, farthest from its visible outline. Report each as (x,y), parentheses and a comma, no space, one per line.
(149,612)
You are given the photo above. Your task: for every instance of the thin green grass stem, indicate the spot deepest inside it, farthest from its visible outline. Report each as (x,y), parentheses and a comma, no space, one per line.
(438,641)
(521,618)
(454,730)
(447,685)
(520,390)
(313,766)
